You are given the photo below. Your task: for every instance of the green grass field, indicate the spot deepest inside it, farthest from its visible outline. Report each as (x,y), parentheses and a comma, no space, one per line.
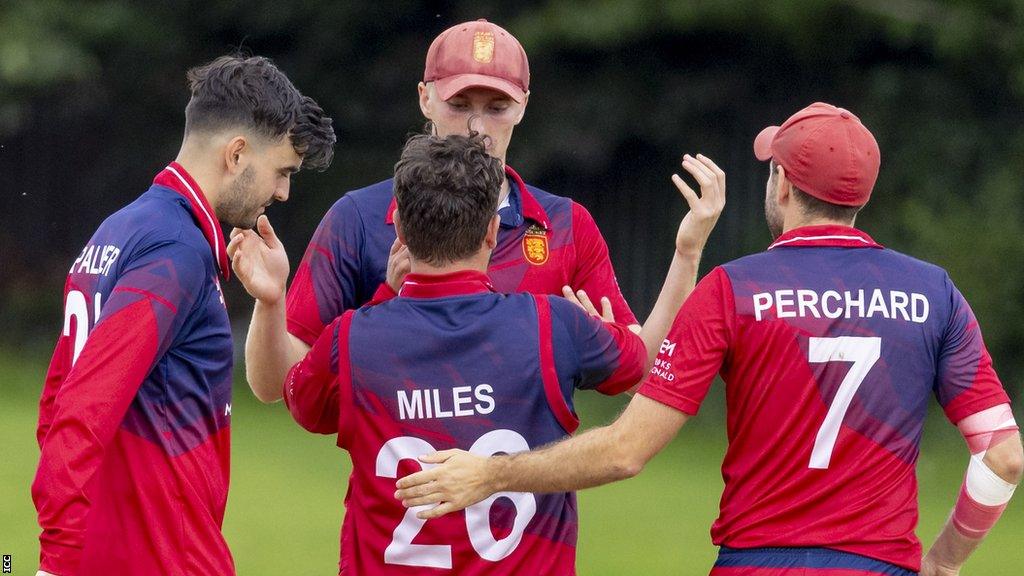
(287,487)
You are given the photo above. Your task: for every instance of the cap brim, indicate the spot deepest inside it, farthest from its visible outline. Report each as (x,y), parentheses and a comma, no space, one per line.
(763,143)
(452,85)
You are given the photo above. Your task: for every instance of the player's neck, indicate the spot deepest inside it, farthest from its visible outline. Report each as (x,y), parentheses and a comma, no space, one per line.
(204,176)
(476,263)
(802,221)
(503,193)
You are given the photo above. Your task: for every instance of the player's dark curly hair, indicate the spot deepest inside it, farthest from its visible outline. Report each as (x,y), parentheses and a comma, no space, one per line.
(447,192)
(251,92)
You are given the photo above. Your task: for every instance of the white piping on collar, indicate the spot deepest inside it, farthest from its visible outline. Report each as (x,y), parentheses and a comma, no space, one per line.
(407,283)
(811,238)
(213,223)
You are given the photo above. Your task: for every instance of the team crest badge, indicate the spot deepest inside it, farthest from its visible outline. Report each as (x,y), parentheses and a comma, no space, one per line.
(483,47)
(535,245)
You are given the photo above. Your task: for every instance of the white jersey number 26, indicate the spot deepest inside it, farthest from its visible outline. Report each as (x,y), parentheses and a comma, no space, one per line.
(402,551)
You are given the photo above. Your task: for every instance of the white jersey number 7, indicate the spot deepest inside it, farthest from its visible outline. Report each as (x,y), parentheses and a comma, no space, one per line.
(863,352)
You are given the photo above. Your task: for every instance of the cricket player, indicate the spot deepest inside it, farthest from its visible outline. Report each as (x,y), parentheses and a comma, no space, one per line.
(476,78)
(830,347)
(134,418)
(452,363)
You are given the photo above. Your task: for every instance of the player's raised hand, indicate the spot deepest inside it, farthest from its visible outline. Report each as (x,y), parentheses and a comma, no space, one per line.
(704,210)
(260,261)
(581,299)
(459,481)
(399,265)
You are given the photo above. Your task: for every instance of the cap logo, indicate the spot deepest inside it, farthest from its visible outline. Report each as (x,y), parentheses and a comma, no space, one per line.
(535,245)
(483,47)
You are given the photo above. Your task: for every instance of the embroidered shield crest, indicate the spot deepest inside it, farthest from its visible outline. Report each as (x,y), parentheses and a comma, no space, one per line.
(483,47)
(535,245)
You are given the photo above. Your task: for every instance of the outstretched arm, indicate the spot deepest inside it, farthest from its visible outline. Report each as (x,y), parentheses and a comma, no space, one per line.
(598,456)
(692,235)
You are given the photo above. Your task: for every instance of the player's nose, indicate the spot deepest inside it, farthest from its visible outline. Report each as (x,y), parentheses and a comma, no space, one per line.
(476,124)
(281,195)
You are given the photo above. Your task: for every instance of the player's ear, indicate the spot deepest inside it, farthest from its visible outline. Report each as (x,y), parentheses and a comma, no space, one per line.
(398,227)
(522,109)
(491,238)
(234,153)
(783,186)
(425,100)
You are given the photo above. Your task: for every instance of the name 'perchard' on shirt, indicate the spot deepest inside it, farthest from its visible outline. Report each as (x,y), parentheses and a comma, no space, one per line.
(878,303)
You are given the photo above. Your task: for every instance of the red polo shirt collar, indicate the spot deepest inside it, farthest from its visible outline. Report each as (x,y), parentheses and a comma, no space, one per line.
(827,235)
(461,283)
(178,179)
(532,210)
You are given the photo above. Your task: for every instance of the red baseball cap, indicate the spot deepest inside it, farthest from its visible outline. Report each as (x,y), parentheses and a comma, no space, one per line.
(477,54)
(826,152)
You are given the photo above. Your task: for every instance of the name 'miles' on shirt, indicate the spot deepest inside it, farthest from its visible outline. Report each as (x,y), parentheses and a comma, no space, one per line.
(545,242)
(134,418)
(830,347)
(449,363)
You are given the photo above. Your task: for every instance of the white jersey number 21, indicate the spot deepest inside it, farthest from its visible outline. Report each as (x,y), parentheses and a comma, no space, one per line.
(76,307)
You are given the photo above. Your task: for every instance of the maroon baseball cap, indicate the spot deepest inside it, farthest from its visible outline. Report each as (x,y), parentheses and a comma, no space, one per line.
(477,54)
(826,152)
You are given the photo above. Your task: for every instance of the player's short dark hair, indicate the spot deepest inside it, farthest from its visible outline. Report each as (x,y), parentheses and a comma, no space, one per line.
(816,207)
(819,208)
(252,93)
(447,192)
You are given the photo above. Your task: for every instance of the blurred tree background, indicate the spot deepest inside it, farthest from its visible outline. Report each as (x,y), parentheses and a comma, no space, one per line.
(92,97)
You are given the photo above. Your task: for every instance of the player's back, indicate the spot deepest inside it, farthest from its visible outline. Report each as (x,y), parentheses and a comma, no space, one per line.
(452,364)
(152,248)
(835,353)
(158,492)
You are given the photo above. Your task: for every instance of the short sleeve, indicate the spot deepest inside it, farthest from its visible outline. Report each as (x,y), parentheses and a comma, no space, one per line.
(966,382)
(311,388)
(594,272)
(609,357)
(696,346)
(327,279)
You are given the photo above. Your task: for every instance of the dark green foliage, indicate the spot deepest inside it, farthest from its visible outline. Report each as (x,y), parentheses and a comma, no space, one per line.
(92,97)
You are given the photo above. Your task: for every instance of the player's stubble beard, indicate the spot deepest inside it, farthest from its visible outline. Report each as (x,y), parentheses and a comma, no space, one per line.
(239,206)
(772,214)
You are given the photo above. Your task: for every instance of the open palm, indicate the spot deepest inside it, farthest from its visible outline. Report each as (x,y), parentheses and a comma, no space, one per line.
(259,261)
(704,210)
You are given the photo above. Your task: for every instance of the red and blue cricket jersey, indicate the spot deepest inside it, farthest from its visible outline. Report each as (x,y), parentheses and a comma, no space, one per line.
(830,347)
(450,363)
(134,416)
(544,242)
